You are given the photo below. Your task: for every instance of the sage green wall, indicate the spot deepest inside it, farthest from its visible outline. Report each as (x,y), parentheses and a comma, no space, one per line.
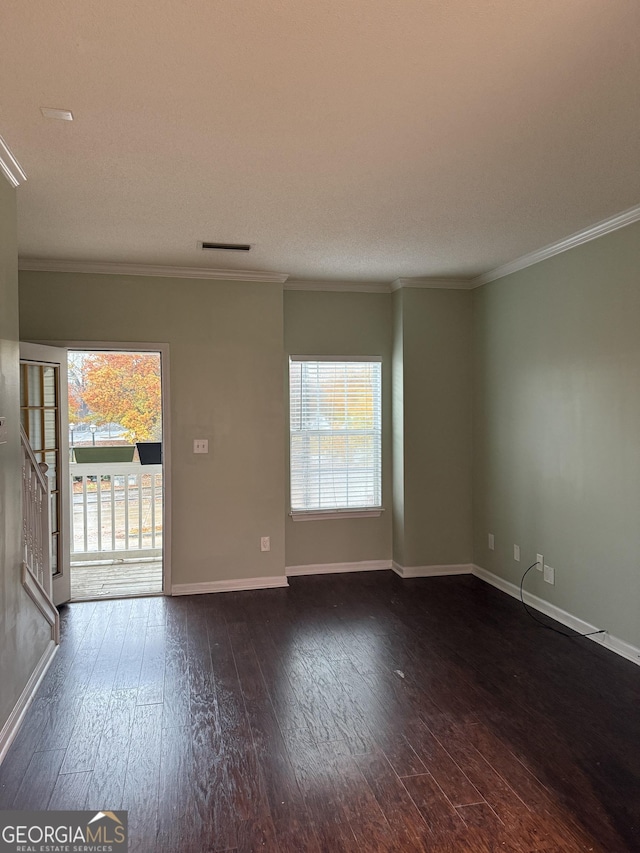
(24,634)
(436,329)
(557,428)
(226,362)
(326,323)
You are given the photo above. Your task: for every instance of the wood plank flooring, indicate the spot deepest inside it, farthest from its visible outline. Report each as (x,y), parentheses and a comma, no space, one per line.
(113,580)
(345,713)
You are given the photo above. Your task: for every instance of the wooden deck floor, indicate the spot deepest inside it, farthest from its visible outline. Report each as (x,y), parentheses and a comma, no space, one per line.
(114,580)
(356,713)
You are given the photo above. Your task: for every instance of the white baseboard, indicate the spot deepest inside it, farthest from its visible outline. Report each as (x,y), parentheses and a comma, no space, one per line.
(615,644)
(336,568)
(229,586)
(432,571)
(14,721)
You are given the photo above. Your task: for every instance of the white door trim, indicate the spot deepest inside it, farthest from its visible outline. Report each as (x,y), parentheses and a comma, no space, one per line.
(163,349)
(38,353)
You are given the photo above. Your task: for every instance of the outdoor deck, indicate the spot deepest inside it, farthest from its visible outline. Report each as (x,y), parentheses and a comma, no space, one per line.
(116,522)
(115,579)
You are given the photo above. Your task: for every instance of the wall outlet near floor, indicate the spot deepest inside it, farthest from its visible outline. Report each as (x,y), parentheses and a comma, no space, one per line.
(516,553)
(492,542)
(540,562)
(549,574)
(265,543)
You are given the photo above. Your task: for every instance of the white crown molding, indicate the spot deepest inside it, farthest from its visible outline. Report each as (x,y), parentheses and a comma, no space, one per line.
(615,644)
(339,286)
(9,166)
(382,286)
(613,223)
(229,586)
(433,283)
(108,268)
(338,568)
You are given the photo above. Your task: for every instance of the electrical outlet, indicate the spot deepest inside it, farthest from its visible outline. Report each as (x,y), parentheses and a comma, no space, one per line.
(516,553)
(200,445)
(265,543)
(549,574)
(492,542)
(540,562)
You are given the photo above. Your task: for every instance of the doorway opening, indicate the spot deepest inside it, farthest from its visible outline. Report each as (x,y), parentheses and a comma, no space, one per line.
(116,477)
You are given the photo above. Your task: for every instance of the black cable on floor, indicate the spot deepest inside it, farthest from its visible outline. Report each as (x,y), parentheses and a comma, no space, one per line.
(540,622)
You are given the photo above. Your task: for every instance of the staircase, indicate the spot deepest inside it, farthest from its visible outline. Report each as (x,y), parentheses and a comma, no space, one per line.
(36,535)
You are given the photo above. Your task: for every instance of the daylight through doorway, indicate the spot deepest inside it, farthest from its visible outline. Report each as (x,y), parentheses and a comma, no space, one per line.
(115,448)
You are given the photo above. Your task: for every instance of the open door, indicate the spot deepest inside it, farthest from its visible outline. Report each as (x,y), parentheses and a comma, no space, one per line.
(44,413)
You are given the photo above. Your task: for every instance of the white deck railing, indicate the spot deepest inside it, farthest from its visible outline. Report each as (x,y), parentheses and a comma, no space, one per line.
(116,511)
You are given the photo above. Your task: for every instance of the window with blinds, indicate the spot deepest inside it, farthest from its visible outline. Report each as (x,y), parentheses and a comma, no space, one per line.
(336,434)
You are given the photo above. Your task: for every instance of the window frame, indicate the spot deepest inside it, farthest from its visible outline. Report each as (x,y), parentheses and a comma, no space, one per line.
(336,512)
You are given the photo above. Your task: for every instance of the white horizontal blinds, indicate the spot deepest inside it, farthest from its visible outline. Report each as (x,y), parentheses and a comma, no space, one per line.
(336,434)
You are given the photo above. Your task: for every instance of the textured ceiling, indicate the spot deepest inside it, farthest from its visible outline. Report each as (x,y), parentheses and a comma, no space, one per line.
(350,139)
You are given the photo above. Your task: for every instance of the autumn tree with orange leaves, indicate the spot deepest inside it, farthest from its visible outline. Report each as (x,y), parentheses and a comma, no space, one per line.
(122,388)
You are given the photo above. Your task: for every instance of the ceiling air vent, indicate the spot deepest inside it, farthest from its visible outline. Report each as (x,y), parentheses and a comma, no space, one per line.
(226,247)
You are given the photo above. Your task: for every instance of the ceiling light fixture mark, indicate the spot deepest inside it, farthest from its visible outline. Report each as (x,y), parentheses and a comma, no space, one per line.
(61,115)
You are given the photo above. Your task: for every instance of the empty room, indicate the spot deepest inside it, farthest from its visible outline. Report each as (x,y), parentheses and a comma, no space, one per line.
(320,426)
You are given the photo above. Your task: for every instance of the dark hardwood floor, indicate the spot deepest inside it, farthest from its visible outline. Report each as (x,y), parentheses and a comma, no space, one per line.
(346,713)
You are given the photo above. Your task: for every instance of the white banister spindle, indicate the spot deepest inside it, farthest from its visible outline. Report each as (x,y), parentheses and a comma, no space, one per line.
(36,517)
(45,533)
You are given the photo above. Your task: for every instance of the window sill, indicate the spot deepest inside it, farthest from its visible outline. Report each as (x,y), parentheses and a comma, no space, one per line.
(322,514)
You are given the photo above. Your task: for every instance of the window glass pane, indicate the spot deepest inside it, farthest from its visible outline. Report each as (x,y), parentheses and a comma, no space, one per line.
(35,429)
(52,461)
(54,511)
(336,434)
(23,385)
(50,437)
(49,382)
(34,396)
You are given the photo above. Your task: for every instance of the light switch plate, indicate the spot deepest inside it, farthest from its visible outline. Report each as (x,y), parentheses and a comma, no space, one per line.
(4,433)
(200,445)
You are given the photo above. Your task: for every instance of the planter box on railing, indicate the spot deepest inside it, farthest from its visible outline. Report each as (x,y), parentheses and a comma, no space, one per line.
(122,453)
(149,452)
